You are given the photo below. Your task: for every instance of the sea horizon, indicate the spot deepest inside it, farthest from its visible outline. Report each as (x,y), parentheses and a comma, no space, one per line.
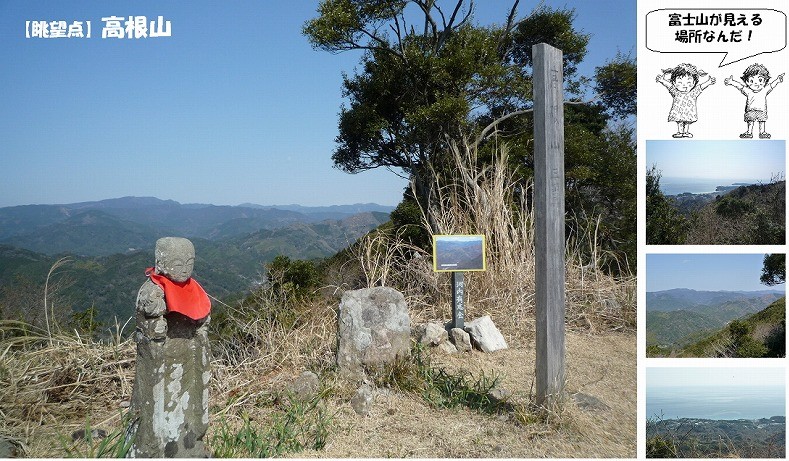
(676,186)
(717,403)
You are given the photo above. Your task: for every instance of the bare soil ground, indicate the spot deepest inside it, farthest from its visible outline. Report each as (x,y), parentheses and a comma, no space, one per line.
(404,426)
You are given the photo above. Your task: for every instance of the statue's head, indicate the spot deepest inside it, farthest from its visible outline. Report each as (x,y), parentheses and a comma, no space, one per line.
(175,258)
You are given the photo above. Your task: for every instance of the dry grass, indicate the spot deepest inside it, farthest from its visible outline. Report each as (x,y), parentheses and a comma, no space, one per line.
(51,385)
(486,200)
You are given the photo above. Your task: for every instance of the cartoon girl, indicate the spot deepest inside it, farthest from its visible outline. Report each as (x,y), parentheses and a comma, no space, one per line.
(682,82)
(756,78)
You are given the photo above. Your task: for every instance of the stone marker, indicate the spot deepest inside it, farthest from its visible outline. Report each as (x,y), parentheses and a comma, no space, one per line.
(374,329)
(169,404)
(485,334)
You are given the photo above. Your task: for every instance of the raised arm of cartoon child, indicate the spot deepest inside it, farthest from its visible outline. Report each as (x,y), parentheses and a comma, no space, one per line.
(684,84)
(755,86)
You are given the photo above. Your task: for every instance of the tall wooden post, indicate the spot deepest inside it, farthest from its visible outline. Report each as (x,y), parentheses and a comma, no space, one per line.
(549,220)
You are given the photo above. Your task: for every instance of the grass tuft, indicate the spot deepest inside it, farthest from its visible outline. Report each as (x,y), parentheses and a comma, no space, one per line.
(302,426)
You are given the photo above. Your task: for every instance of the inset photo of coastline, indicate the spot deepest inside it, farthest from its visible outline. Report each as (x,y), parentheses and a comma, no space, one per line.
(716,305)
(715,413)
(716,192)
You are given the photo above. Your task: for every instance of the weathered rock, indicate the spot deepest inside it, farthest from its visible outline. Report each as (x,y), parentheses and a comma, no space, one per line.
(611,305)
(95,434)
(498,394)
(461,339)
(363,400)
(448,347)
(374,329)
(10,448)
(169,404)
(305,387)
(486,336)
(432,333)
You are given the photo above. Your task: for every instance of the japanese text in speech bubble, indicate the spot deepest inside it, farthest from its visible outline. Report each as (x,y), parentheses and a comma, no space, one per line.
(737,33)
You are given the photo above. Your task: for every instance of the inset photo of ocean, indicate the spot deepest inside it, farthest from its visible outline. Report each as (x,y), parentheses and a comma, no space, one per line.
(716,192)
(719,412)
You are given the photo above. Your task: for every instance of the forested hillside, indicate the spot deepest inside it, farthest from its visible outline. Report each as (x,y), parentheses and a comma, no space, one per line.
(680,317)
(747,215)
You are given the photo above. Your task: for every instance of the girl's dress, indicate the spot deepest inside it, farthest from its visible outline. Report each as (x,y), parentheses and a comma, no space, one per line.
(683,109)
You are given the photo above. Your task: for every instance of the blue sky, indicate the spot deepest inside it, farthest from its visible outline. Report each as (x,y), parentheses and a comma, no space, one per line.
(743,160)
(234,107)
(714,376)
(705,272)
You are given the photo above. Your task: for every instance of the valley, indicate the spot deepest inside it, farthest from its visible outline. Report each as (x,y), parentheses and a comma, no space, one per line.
(108,244)
(684,322)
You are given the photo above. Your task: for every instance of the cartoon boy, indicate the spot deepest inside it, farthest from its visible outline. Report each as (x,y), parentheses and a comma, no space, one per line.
(756,78)
(682,83)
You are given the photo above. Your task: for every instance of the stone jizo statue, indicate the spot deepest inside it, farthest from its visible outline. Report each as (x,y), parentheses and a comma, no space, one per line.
(169,406)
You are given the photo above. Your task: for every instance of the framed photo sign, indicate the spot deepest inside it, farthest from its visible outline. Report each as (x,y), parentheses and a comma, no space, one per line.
(455,253)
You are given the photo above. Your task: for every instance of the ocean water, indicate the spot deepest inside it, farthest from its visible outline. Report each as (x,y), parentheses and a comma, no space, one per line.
(741,402)
(675,186)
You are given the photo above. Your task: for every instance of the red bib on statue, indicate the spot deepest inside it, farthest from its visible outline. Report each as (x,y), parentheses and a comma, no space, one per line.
(187,298)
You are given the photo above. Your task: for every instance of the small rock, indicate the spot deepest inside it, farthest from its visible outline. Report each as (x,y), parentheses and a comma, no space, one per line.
(611,305)
(461,339)
(589,402)
(433,333)
(125,404)
(95,434)
(362,401)
(305,387)
(448,347)
(486,336)
(10,448)
(498,394)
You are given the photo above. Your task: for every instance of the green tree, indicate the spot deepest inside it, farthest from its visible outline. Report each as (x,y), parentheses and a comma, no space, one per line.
(86,321)
(731,207)
(773,269)
(743,345)
(421,88)
(299,277)
(664,223)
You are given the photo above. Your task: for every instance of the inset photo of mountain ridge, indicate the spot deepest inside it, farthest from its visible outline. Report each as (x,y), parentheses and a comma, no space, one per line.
(716,305)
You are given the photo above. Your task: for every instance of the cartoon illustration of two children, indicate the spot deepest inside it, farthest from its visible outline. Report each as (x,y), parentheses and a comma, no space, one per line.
(684,83)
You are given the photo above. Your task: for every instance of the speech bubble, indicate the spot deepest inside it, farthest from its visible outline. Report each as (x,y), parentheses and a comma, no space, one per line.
(739,33)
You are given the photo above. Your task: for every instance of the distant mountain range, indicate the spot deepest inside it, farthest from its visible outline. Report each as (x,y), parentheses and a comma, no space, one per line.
(687,299)
(125,224)
(678,317)
(111,242)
